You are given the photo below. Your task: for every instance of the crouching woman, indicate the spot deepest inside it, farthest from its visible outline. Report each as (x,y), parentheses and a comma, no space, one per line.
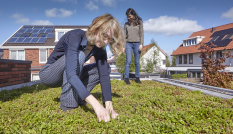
(65,66)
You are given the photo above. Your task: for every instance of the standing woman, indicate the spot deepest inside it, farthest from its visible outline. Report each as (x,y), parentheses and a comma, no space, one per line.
(65,66)
(134,34)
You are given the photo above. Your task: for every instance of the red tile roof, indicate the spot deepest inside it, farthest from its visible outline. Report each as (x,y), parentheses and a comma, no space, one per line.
(207,33)
(148,47)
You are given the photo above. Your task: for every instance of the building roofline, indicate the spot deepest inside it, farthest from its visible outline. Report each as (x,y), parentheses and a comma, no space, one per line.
(57,25)
(159,49)
(11,36)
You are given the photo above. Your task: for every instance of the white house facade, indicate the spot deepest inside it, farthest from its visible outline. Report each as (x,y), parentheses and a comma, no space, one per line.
(187,55)
(147,53)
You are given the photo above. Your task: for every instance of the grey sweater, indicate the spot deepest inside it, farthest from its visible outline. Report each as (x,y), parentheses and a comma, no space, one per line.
(134,33)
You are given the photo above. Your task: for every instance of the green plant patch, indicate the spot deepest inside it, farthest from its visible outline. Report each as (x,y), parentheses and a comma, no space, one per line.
(150,107)
(178,76)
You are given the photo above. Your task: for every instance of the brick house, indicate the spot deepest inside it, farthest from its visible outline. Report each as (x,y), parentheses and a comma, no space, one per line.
(187,54)
(35,43)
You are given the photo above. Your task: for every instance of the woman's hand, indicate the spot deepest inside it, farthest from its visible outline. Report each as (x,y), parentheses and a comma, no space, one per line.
(109,107)
(140,47)
(123,50)
(101,112)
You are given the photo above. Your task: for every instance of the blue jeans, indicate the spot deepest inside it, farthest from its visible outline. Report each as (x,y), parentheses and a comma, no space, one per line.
(132,47)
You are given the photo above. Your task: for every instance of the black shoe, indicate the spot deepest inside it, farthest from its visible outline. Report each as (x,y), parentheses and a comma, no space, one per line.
(138,80)
(127,81)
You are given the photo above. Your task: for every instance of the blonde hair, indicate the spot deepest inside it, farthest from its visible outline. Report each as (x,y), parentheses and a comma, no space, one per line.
(100,26)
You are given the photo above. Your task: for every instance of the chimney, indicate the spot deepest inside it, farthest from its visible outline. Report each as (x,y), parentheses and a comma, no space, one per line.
(212,29)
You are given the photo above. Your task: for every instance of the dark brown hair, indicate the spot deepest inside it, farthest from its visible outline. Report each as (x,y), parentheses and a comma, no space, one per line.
(137,19)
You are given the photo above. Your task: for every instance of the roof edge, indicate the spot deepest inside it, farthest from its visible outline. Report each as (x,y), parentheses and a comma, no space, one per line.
(11,36)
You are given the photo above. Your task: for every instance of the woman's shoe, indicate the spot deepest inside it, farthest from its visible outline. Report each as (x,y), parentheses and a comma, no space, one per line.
(138,80)
(127,81)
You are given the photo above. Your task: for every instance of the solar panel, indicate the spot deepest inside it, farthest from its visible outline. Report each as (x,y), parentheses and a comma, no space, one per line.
(12,40)
(18,35)
(222,43)
(48,30)
(35,31)
(34,40)
(26,35)
(28,31)
(42,31)
(20,40)
(42,40)
(34,35)
(220,38)
(28,27)
(38,27)
(27,40)
(228,36)
(50,35)
(213,39)
(48,27)
(222,32)
(22,31)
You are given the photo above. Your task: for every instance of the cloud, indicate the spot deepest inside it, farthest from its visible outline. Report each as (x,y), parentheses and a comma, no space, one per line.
(42,22)
(91,6)
(108,3)
(20,19)
(59,13)
(170,26)
(228,14)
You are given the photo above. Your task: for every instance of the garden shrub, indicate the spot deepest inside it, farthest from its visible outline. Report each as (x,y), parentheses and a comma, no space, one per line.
(178,76)
(213,68)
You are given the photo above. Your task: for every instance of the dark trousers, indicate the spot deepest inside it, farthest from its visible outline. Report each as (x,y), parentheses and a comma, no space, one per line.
(54,75)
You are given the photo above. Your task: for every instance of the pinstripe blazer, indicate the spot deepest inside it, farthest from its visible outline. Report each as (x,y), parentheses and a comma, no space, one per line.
(69,45)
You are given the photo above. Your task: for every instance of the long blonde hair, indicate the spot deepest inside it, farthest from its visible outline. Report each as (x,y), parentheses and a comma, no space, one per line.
(100,26)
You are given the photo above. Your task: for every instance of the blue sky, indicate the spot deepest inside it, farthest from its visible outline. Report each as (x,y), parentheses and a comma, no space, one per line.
(166,21)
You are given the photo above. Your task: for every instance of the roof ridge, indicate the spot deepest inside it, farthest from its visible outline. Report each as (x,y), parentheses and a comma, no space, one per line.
(55,25)
(158,47)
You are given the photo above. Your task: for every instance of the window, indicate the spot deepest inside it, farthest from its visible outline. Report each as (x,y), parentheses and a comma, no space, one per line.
(194,75)
(60,34)
(219,55)
(180,59)
(198,75)
(164,62)
(185,43)
(43,56)
(35,77)
(185,59)
(17,54)
(25,35)
(193,41)
(189,42)
(191,59)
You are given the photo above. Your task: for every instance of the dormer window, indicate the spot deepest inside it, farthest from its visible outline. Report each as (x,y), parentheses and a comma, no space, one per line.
(60,32)
(192,41)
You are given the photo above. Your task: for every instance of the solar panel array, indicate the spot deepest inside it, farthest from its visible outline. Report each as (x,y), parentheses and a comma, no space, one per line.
(222,38)
(29,34)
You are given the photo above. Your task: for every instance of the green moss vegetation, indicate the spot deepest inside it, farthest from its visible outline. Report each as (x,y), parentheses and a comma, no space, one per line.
(150,107)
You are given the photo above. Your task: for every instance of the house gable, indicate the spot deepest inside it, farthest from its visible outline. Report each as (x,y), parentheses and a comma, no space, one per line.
(224,34)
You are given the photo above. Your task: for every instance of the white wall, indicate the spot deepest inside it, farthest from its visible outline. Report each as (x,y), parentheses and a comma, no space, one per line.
(149,54)
(197,60)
